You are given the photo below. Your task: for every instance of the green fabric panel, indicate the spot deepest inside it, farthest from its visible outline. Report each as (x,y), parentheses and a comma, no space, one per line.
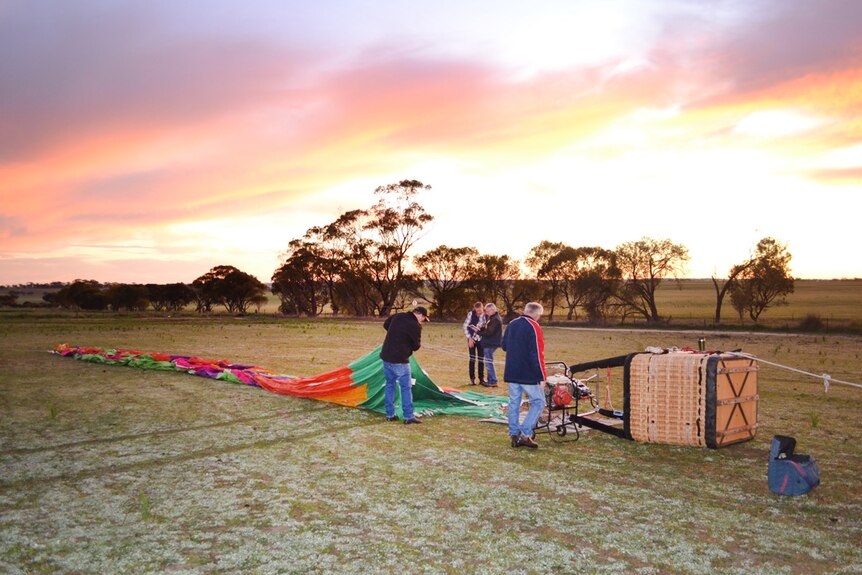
(96,358)
(147,362)
(428,398)
(228,376)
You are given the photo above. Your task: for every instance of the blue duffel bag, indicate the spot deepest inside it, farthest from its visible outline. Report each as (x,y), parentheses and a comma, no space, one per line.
(791,474)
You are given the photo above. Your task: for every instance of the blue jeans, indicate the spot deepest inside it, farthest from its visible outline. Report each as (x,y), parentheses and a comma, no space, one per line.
(400,373)
(536,395)
(488,356)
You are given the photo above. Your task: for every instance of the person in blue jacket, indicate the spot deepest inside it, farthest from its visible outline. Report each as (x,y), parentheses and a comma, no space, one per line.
(525,373)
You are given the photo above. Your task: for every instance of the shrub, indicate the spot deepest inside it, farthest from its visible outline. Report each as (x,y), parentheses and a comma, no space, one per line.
(811,322)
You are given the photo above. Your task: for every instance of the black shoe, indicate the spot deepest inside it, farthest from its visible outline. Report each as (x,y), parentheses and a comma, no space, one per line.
(515,441)
(393,418)
(526,441)
(412,420)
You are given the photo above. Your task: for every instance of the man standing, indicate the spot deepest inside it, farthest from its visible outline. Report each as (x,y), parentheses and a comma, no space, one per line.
(492,336)
(403,337)
(474,322)
(525,373)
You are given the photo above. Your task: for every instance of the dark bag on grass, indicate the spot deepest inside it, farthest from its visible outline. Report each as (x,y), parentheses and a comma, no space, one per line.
(791,474)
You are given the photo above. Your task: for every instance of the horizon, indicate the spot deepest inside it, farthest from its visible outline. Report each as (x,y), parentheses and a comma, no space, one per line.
(150,139)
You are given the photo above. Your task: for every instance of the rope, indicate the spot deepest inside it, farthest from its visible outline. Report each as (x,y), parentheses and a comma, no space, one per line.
(461,354)
(824,377)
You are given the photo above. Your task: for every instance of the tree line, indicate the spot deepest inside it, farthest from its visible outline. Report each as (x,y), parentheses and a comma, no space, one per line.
(360,264)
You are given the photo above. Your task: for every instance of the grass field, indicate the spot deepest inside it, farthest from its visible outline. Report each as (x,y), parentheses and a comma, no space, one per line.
(118,470)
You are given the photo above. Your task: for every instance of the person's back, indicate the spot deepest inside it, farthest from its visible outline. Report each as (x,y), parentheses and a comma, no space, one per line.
(524,345)
(403,337)
(525,373)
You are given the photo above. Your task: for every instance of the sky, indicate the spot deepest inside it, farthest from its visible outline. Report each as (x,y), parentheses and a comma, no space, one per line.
(150,140)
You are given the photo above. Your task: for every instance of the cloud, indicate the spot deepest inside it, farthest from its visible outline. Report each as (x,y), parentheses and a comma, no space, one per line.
(128,121)
(840,176)
(11,227)
(74,71)
(777,123)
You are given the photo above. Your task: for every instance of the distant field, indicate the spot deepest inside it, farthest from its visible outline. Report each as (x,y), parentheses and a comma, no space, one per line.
(119,470)
(838,303)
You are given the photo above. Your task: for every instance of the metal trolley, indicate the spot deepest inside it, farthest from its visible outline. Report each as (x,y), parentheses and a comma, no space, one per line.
(565,396)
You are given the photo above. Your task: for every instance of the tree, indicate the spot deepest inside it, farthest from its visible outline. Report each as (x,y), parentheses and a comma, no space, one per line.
(170,297)
(300,282)
(445,272)
(228,286)
(644,264)
(589,278)
(9,299)
(82,294)
(537,261)
(721,291)
(764,283)
(258,302)
(132,297)
(393,226)
(361,257)
(501,277)
(334,249)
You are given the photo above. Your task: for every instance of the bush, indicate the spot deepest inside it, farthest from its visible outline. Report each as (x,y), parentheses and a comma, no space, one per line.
(811,322)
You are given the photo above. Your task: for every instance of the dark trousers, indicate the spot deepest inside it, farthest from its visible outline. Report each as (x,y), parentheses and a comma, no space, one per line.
(476,355)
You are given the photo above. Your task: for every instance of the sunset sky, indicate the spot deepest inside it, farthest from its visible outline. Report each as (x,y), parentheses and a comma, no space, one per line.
(147,141)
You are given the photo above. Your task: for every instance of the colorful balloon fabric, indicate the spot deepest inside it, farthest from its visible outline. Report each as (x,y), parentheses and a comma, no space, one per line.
(359,384)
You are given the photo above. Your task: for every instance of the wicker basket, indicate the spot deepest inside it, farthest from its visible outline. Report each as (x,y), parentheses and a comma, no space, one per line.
(696,399)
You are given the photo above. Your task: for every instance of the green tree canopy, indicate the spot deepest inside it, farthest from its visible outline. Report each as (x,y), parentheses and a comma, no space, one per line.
(446,273)
(228,286)
(765,282)
(644,264)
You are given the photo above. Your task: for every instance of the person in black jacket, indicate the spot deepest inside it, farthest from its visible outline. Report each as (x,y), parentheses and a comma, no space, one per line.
(403,337)
(491,338)
(525,373)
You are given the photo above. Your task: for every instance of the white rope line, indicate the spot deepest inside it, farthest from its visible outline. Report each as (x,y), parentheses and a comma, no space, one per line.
(824,377)
(461,354)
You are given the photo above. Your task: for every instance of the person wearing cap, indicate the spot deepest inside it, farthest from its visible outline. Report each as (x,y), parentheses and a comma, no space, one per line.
(403,337)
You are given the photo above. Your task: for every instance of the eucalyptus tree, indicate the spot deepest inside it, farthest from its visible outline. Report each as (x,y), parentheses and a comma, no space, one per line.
(445,273)
(228,286)
(766,282)
(589,278)
(644,264)
(538,261)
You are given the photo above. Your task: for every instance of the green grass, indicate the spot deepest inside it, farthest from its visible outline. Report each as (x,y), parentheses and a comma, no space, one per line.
(116,470)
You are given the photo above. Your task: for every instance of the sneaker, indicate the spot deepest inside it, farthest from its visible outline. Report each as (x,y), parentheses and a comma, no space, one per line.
(488,384)
(515,441)
(472,382)
(393,418)
(526,441)
(412,420)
